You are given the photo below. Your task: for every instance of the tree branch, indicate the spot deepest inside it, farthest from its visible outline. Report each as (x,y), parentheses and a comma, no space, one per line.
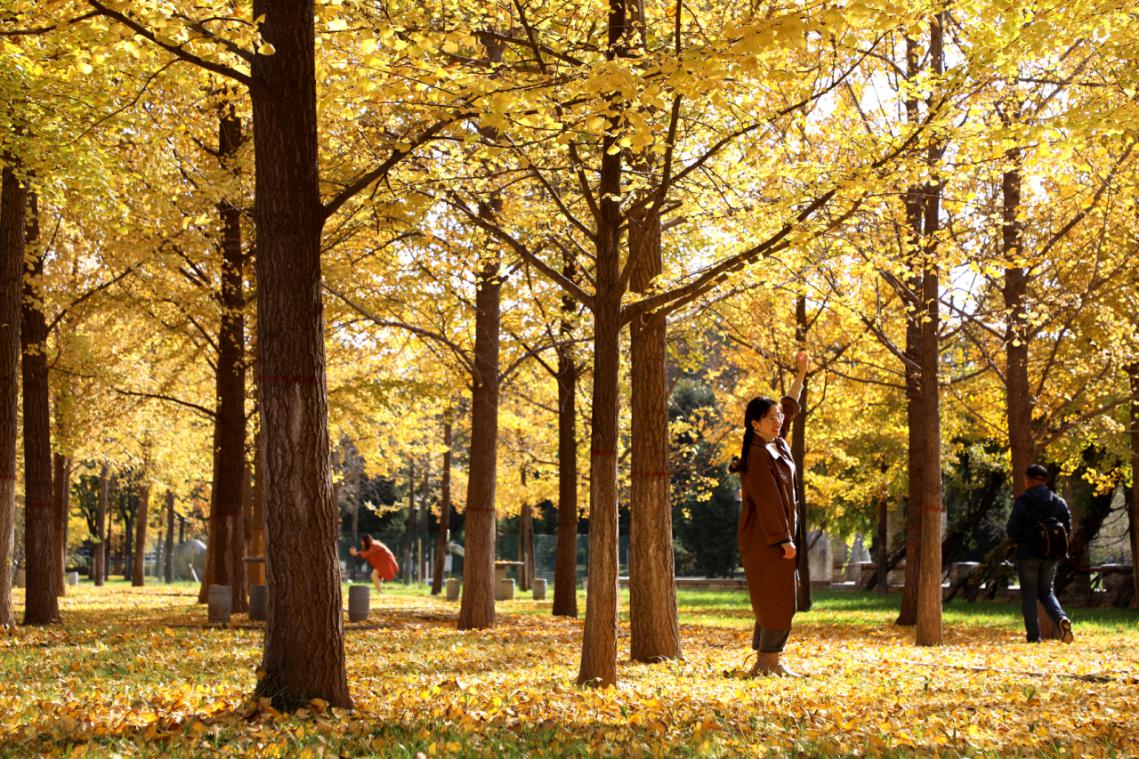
(381,171)
(176,50)
(86,296)
(552,274)
(456,349)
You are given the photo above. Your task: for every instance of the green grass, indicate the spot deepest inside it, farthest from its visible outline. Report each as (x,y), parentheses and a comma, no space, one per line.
(731,608)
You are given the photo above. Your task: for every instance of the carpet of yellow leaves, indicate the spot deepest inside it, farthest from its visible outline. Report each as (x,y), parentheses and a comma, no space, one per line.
(139,672)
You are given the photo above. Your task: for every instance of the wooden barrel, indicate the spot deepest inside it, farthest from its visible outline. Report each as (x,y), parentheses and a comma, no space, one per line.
(539,587)
(258,602)
(453,588)
(359,600)
(220,603)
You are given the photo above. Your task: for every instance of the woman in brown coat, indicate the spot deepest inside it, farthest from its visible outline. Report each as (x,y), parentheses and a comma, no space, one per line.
(768,517)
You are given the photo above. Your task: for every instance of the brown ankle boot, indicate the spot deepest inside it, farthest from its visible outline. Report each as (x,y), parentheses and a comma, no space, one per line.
(766,664)
(770,664)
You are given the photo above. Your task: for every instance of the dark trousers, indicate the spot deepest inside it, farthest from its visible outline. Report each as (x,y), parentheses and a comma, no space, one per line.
(1036,578)
(768,641)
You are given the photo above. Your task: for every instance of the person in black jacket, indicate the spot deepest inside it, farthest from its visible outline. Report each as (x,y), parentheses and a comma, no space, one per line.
(1036,573)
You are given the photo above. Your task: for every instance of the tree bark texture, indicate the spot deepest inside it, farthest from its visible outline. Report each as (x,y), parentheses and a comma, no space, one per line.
(256,526)
(476,610)
(226,550)
(13,210)
(304,632)
(41,605)
(61,508)
(883,560)
(409,530)
(138,577)
(525,542)
(908,613)
(168,554)
(654,628)
(565,559)
(599,640)
(248,569)
(99,551)
(444,510)
(929,629)
(1017,391)
(423,526)
(799,454)
(126,553)
(355,515)
(109,542)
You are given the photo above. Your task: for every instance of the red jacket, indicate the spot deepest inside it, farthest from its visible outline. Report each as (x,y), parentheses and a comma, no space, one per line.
(382,559)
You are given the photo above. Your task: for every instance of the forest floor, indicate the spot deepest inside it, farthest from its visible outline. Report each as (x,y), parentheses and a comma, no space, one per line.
(139,672)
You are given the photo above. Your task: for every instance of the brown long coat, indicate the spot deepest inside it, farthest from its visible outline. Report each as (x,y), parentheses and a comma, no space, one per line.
(767,520)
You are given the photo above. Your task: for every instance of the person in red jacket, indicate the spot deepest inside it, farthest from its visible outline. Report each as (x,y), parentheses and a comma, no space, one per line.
(384,566)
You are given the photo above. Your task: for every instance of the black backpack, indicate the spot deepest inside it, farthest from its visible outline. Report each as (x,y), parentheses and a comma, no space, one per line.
(1048,536)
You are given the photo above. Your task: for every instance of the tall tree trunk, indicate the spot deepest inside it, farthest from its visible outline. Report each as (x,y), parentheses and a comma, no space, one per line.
(654,627)
(409,532)
(357,477)
(476,610)
(799,454)
(423,527)
(138,576)
(1017,392)
(126,554)
(565,559)
(929,631)
(248,569)
(1133,507)
(41,605)
(256,545)
(444,510)
(108,551)
(599,640)
(99,552)
(525,540)
(883,558)
(908,614)
(168,554)
(914,201)
(61,509)
(13,211)
(226,550)
(304,632)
